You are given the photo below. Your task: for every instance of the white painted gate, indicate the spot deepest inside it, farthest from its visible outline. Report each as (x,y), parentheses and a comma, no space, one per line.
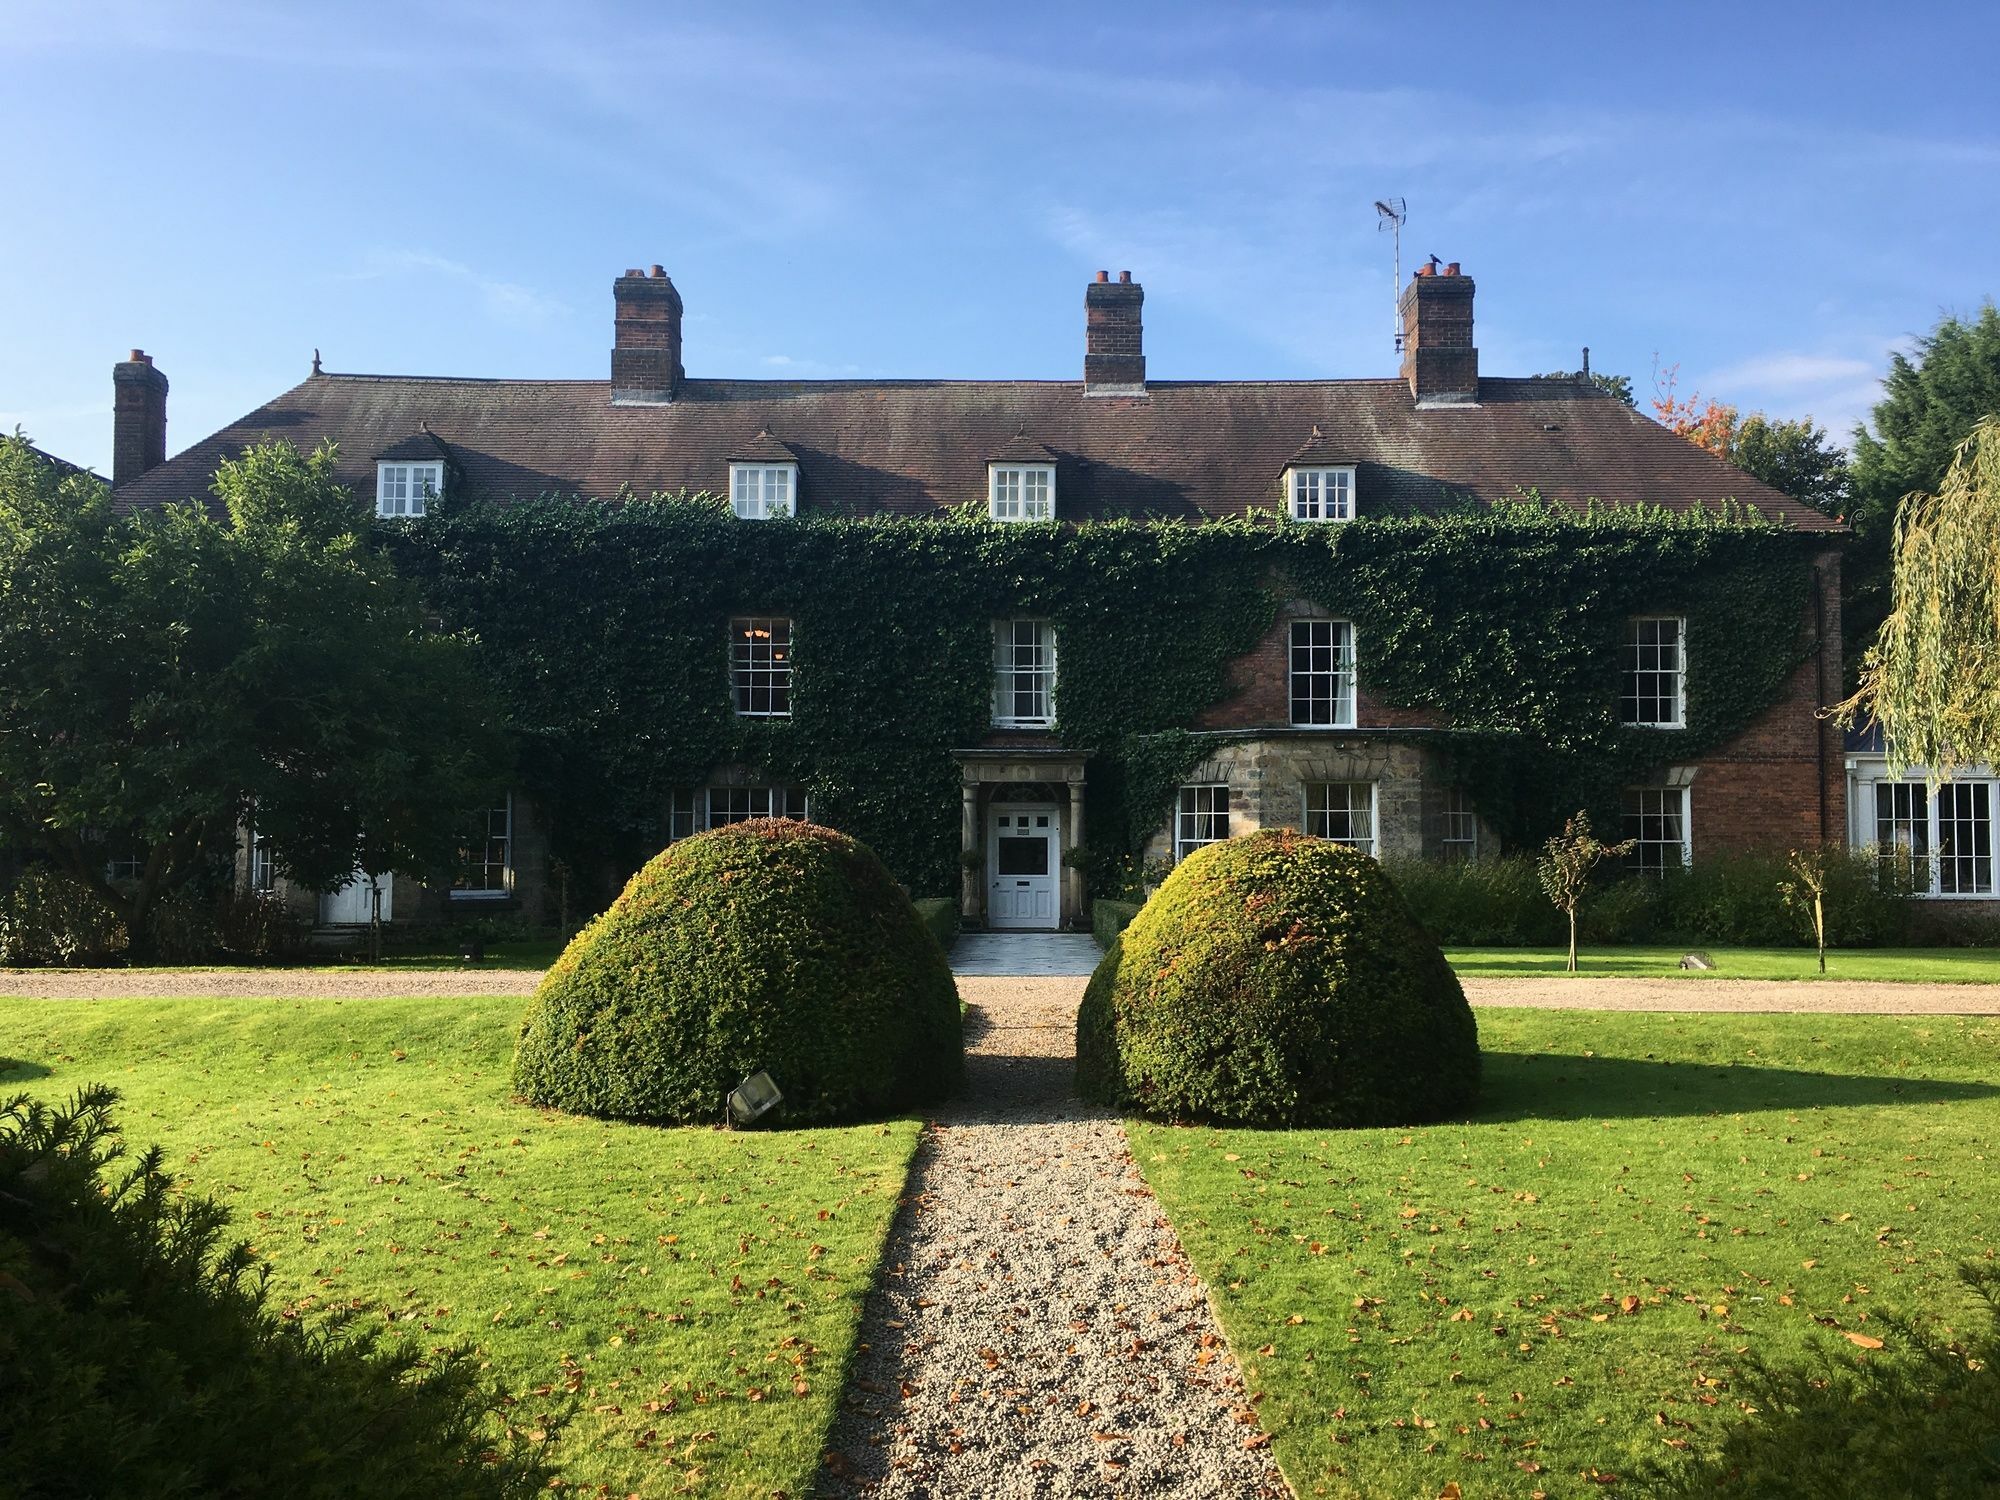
(1024,865)
(352,906)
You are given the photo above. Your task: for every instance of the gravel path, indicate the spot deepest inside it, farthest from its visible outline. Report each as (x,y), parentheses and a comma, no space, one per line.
(1804,996)
(1038,1331)
(283,984)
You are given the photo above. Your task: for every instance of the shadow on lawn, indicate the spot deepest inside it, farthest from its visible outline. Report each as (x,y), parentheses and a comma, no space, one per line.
(19,1070)
(1543,1086)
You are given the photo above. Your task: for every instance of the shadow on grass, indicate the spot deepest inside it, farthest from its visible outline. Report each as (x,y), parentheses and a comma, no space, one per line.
(1545,1086)
(18,1070)
(1920,1417)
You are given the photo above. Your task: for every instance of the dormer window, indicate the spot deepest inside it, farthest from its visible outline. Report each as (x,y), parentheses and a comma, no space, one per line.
(404,489)
(1021,492)
(762,492)
(1321,494)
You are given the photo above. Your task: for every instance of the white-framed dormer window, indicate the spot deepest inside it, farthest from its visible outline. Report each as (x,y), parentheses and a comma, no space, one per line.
(1320,494)
(1654,694)
(1021,492)
(1201,816)
(1024,687)
(1322,674)
(406,489)
(1656,820)
(1343,811)
(486,868)
(762,492)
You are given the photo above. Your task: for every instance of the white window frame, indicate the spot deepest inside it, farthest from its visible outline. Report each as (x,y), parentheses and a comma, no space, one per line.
(1318,820)
(262,871)
(1458,826)
(763,492)
(683,808)
(760,670)
(499,815)
(758,802)
(1923,817)
(403,490)
(1196,807)
(1021,492)
(1024,667)
(1641,673)
(1320,495)
(1340,676)
(1638,860)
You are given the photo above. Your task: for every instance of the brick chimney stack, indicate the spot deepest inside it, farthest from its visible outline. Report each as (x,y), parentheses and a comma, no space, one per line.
(138,417)
(646,351)
(1114,355)
(1439,360)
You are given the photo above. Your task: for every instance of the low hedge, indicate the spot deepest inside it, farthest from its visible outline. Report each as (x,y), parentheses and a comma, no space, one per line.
(1108,918)
(940,915)
(138,1357)
(771,945)
(1277,979)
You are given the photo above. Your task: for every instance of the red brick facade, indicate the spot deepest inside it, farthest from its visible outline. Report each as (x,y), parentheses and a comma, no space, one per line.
(1260,686)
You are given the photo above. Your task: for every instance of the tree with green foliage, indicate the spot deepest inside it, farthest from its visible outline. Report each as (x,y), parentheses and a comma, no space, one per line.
(1932,680)
(1618,387)
(1810,872)
(168,675)
(1932,398)
(1792,455)
(1566,865)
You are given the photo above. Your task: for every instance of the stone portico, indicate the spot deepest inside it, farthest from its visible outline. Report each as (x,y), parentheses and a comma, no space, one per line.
(1039,775)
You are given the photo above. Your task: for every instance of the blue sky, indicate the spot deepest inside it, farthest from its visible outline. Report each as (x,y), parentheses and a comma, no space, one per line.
(1771,197)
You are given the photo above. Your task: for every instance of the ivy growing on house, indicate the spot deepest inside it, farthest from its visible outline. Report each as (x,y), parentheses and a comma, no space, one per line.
(605,625)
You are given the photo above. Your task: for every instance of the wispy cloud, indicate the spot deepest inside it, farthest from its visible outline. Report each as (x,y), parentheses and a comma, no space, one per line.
(505,301)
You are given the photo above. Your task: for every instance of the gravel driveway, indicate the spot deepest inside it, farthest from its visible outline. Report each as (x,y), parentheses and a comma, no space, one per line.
(1038,1331)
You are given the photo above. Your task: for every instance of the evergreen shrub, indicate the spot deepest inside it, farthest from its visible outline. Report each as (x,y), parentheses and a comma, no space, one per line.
(1277,979)
(1108,918)
(52,918)
(940,915)
(138,1357)
(769,944)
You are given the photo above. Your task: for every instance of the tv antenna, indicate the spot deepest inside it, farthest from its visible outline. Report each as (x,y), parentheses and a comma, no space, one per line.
(1392,214)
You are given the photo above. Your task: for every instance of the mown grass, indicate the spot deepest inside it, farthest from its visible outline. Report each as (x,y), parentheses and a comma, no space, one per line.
(1567,1292)
(1885,965)
(692,1294)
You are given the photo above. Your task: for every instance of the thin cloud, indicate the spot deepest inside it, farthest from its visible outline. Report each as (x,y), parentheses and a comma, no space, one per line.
(506,301)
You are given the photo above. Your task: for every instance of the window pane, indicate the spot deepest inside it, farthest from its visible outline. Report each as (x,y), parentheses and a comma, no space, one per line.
(1654,684)
(1965,839)
(761,665)
(1657,818)
(1322,672)
(1202,818)
(1459,834)
(1343,811)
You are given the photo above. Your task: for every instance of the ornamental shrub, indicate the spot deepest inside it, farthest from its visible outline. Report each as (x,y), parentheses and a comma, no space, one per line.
(53,918)
(1277,979)
(138,1356)
(769,944)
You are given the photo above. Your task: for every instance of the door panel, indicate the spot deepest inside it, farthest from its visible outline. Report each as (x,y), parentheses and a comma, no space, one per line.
(1023,866)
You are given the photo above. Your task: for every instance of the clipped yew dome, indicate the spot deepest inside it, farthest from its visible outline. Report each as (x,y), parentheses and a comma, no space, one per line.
(770,944)
(1277,979)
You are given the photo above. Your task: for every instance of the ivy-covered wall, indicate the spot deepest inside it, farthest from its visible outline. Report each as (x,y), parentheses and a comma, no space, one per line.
(605,625)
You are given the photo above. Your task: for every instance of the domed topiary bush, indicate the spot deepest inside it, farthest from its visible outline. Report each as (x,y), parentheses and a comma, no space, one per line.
(768,944)
(1277,979)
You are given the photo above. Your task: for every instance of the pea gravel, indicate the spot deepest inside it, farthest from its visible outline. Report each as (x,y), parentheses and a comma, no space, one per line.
(1038,1331)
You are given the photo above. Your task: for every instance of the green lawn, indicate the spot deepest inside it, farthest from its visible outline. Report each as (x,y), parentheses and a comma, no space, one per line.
(695,1293)
(1567,1286)
(1896,965)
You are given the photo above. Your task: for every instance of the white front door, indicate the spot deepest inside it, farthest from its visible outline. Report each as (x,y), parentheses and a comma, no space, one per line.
(353,905)
(1023,865)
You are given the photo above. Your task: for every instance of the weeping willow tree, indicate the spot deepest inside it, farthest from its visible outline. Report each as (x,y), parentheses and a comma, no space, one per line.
(1932,679)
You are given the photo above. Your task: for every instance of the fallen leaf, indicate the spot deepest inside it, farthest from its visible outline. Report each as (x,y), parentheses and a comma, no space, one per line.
(1861,1340)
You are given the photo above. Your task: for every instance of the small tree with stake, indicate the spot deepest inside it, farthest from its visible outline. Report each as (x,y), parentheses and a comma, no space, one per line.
(1806,890)
(1566,864)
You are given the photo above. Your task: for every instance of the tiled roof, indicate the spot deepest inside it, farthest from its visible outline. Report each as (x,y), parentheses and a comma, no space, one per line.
(421,446)
(1321,449)
(762,449)
(1186,449)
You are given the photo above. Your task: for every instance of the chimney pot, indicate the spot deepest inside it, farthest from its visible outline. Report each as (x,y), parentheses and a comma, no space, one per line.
(1440,361)
(656,271)
(1103,275)
(1124,278)
(646,346)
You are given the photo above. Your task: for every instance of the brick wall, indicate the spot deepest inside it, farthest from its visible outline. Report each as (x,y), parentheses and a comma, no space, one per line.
(1259,685)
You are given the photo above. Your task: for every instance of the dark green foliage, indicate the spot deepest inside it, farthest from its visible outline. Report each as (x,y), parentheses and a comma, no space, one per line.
(1108,918)
(1794,457)
(1277,979)
(603,622)
(1724,899)
(940,915)
(165,672)
(47,917)
(1917,1418)
(763,945)
(137,1356)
